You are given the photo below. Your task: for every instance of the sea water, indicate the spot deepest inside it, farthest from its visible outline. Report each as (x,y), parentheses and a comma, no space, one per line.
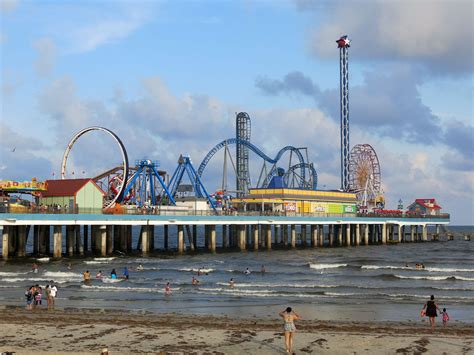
(340,283)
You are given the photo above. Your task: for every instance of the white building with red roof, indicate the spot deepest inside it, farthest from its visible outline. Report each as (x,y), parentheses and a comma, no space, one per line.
(426,206)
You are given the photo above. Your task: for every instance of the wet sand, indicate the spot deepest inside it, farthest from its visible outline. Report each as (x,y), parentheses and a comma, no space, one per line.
(81,331)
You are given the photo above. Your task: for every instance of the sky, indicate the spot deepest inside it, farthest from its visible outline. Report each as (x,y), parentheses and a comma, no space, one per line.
(168,77)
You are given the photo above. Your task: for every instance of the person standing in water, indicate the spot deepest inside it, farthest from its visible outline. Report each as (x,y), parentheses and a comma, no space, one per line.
(431,309)
(231,283)
(125,273)
(289,316)
(87,276)
(168,289)
(113,274)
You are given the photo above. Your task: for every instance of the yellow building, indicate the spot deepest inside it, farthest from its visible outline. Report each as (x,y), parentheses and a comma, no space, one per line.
(317,202)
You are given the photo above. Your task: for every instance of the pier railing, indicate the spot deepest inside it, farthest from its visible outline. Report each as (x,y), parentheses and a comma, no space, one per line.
(158,211)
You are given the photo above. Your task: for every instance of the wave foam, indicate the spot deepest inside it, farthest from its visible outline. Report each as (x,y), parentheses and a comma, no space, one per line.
(326,266)
(435,278)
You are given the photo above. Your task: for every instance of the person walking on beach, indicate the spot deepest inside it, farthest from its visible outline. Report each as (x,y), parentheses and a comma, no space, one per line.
(289,316)
(430,309)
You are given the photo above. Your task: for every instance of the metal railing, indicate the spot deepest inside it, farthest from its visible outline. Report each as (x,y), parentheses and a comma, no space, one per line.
(163,211)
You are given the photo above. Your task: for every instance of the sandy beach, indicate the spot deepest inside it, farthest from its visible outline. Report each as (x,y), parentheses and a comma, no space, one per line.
(89,331)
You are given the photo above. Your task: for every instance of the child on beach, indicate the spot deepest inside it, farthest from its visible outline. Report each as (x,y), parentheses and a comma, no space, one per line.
(445,316)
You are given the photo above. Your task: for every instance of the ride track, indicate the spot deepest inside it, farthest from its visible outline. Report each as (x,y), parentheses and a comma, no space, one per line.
(262,155)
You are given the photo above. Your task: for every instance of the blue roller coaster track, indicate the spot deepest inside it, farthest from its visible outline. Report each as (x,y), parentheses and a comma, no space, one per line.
(257,151)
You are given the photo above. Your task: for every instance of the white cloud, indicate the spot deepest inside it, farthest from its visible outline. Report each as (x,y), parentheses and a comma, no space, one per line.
(109,30)
(437,34)
(8,5)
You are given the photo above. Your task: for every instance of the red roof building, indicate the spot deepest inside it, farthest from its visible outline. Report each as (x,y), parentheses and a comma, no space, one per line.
(74,194)
(427,206)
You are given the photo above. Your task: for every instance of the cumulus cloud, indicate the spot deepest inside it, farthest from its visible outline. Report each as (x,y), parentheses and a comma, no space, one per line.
(387,102)
(46,50)
(437,34)
(21,156)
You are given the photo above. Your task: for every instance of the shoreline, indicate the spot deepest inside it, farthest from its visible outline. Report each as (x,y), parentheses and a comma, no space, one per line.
(89,331)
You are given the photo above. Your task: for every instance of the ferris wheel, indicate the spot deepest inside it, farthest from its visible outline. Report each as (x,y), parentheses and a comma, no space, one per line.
(364,174)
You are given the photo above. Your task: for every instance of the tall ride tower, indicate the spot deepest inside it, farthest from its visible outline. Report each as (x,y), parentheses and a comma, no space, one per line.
(343,44)
(242,124)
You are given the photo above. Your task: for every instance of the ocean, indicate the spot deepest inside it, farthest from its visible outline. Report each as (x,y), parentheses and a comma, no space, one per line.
(362,283)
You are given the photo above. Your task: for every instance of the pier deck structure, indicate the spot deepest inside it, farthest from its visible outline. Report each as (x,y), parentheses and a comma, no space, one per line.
(104,235)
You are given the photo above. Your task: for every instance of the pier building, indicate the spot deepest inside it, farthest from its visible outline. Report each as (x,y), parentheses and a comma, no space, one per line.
(298,201)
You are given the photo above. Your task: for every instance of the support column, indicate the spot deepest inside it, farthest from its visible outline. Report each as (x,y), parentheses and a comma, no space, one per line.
(70,240)
(110,240)
(225,239)
(331,235)
(412,234)
(339,235)
(255,237)
(357,234)
(384,233)
(21,246)
(145,234)
(190,237)
(206,237)
(117,230)
(103,240)
(180,239)
(401,235)
(293,236)
(57,241)
(35,240)
(425,233)
(269,237)
(314,235)
(321,236)
(212,235)
(195,236)
(165,236)
(86,238)
(5,242)
(366,235)
(303,235)
(79,245)
(348,235)
(241,229)
(285,234)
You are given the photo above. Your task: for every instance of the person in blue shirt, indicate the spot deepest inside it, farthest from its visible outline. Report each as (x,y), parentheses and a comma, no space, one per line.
(125,273)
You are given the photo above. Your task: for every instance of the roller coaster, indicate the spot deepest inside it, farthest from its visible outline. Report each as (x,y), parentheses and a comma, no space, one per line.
(144,184)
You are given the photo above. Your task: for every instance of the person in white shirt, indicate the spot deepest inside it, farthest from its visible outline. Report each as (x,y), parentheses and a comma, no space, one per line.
(52,293)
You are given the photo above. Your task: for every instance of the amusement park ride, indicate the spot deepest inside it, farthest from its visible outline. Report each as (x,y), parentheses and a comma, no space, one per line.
(145,185)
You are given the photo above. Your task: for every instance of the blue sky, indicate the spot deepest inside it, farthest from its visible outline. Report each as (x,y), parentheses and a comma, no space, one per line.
(168,77)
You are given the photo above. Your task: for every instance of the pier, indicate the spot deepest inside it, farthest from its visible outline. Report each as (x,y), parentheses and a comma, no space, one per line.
(59,235)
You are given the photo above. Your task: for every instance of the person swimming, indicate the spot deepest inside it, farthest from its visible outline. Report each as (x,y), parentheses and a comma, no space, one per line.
(140,267)
(247,272)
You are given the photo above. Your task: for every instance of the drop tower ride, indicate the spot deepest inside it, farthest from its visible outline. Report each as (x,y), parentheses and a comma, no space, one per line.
(343,44)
